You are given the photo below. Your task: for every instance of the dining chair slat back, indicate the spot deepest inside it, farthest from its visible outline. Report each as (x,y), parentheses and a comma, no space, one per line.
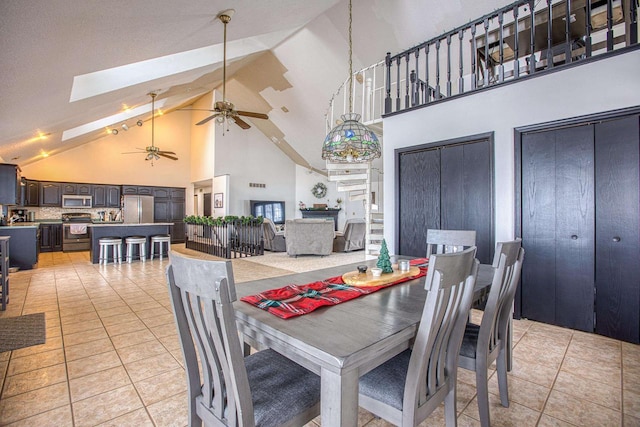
(485,343)
(447,241)
(407,388)
(224,387)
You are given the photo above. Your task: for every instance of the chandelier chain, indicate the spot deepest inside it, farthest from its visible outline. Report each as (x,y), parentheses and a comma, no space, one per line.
(350,61)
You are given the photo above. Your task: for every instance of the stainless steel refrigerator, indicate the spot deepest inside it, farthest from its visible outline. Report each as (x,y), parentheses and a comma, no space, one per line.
(138,209)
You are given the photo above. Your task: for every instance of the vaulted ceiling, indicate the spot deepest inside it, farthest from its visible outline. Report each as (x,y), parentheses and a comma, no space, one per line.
(71,69)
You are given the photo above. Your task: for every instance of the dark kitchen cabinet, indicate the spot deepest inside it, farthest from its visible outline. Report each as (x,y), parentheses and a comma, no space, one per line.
(446,186)
(50,237)
(169,206)
(580,191)
(10,191)
(78,189)
(30,193)
(51,194)
(106,196)
(137,190)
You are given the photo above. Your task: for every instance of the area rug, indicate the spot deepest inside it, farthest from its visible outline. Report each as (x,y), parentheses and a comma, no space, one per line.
(22,331)
(303,264)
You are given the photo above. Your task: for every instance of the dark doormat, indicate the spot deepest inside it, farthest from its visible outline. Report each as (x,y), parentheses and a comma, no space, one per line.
(22,331)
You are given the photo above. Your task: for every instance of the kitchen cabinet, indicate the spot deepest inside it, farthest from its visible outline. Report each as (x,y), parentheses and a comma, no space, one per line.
(30,193)
(580,225)
(137,190)
(75,188)
(10,191)
(106,196)
(50,237)
(51,194)
(169,206)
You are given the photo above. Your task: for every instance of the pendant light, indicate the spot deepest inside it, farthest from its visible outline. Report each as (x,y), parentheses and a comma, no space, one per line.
(351,141)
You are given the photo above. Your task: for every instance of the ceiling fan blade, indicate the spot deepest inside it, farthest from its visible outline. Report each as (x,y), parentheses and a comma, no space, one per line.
(241,123)
(201,122)
(166,152)
(162,153)
(254,115)
(196,109)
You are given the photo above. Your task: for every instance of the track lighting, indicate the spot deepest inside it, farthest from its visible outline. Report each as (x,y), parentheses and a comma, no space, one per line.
(125,127)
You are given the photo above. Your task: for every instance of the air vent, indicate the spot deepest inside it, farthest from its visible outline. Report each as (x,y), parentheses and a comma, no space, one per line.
(256,185)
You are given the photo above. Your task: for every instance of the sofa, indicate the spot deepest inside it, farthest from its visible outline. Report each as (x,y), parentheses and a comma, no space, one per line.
(273,240)
(352,238)
(310,236)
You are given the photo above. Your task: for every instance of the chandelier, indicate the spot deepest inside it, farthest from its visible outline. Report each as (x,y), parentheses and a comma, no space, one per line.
(351,141)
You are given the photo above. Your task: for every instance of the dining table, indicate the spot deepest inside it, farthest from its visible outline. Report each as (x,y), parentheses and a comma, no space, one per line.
(339,342)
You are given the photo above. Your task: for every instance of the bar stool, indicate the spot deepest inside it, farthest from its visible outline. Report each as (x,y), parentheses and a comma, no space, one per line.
(141,241)
(160,239)
(113,243)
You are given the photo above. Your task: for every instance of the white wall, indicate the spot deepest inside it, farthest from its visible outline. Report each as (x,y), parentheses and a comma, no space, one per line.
(306,180)
(586,89)
(221,185)
(202,140)
(247,156)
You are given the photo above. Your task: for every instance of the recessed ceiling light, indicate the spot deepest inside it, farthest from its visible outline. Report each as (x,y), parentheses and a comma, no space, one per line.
(285,109)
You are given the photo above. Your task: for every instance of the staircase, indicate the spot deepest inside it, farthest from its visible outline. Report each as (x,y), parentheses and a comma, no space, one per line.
(355,178)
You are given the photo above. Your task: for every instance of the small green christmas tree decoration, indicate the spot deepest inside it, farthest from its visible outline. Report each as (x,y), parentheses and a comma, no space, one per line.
(383,259)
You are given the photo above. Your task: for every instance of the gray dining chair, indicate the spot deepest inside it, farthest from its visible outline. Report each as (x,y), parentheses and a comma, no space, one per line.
(488,342)
(408,387)
(224,387)
(446,241)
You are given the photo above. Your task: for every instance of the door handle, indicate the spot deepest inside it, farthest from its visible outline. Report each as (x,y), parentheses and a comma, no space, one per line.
(574,237)
(616,239)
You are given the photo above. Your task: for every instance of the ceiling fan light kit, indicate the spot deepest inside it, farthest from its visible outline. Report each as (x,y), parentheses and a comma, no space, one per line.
(224,111)
(351,141)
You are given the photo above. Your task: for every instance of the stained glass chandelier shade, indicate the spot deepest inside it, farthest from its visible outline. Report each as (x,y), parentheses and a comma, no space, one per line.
(351,141)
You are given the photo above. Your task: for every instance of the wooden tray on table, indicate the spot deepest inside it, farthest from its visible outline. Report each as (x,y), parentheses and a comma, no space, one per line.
(363,280)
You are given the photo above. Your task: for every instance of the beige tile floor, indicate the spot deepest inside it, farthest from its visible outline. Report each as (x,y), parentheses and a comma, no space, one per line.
(112,357)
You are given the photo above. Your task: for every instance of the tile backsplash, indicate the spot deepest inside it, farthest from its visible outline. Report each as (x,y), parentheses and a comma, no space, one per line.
(56,213)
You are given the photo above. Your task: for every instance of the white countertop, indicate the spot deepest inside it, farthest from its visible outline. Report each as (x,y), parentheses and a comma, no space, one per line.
(22,225)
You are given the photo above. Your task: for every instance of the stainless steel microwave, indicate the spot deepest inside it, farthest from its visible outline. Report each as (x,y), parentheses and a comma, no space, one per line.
(71,201)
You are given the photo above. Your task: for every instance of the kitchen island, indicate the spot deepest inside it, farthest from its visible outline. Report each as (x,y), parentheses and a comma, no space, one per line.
(106,229)
(24,248)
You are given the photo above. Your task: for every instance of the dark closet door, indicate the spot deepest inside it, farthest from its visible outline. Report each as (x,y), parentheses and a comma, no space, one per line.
(617,235)
(557,227)
(419,200)
(466,192)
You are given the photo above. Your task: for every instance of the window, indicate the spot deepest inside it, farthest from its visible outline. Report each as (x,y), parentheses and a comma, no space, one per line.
(268,209)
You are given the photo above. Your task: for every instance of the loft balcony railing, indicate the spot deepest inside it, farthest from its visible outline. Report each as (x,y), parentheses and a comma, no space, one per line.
(520,40)
(367,97)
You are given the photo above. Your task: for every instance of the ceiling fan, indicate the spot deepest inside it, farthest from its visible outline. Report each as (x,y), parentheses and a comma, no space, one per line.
(153,152)
(224,110)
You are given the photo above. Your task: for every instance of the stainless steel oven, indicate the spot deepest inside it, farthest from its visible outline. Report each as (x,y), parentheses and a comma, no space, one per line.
(75,232)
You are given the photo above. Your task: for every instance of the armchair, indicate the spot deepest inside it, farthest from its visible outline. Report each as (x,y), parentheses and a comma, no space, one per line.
(273,240)
(353,236)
